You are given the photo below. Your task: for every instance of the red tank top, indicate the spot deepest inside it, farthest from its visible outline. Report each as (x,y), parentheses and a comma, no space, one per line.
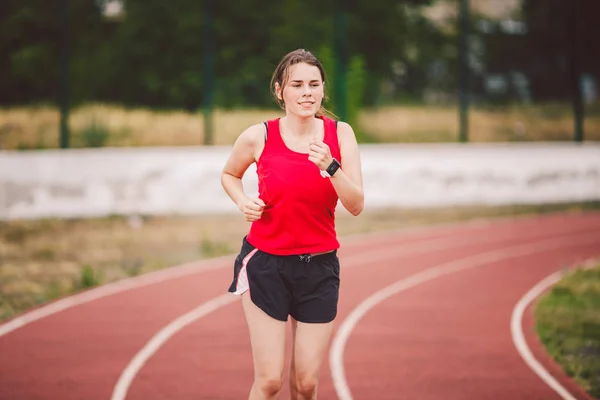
(299,213)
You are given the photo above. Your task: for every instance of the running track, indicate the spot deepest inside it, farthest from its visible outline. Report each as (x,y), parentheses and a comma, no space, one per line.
(430,313)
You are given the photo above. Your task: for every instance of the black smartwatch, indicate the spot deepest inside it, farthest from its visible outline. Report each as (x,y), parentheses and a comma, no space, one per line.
(333,167)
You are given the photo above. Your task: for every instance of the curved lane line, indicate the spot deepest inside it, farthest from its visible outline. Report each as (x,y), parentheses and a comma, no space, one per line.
(518,337)
(165,275)
(130,372)
(127,376)
(201,266)
(112,289)
(336,355)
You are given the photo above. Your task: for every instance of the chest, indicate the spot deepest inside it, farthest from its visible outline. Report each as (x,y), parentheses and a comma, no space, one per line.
(300,144)
(293,177)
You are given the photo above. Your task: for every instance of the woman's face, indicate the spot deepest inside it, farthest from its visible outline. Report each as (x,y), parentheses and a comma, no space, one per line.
(303,92)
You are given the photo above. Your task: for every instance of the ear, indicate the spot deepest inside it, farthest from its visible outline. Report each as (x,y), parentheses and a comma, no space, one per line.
(278,91)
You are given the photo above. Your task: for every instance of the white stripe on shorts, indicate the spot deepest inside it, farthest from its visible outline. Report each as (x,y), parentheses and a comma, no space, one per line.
(242,279)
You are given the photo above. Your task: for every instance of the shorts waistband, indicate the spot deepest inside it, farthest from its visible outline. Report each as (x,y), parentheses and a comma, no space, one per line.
(308,257)
(303,257)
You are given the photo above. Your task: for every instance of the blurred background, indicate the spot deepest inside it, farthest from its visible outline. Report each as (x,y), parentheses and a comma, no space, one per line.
(116,117)
(94,73)
(126,77)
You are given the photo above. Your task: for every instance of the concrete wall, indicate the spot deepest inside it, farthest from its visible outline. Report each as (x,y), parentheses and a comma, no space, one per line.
(99,182)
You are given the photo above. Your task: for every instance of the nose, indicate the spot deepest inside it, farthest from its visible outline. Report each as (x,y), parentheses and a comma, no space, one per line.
(307,90)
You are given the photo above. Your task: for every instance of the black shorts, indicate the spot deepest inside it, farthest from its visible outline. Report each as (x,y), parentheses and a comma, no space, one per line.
(305,287)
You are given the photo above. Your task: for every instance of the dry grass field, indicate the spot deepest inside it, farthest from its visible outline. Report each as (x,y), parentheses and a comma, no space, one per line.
(37,127)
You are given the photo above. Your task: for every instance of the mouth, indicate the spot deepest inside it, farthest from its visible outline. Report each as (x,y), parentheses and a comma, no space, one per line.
(307,104)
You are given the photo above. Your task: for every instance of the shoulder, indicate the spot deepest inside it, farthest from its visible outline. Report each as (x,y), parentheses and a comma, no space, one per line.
(345,132)
(253,135)
(342,128)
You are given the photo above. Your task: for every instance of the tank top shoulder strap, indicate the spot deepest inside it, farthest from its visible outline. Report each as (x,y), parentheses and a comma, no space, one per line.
(330,137)
(273,136)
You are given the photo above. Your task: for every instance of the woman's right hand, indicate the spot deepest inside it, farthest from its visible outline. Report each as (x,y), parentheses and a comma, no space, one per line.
(252,209)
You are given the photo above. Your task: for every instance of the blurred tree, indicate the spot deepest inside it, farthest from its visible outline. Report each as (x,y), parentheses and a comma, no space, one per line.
(158,54)
(152,56)
(28,36)
(30,40)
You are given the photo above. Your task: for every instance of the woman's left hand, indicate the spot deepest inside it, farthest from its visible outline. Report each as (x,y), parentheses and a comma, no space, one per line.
(319,154)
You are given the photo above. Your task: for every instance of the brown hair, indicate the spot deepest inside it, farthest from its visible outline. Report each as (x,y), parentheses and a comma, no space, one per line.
(281,74)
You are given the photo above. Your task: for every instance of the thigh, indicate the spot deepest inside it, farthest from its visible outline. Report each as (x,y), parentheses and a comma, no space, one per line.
(310,343)
(267,337)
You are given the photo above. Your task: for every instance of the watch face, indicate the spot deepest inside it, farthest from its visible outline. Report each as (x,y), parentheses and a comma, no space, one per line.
(334,166)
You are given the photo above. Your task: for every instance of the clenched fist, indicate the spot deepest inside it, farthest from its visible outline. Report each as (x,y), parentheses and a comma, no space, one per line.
(252,209)
(319,153)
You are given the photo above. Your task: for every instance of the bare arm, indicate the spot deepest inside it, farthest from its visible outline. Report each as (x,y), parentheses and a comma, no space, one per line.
(347,181)
(243,154)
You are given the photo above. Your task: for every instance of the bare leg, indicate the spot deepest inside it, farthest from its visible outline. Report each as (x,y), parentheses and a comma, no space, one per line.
(309,345)
(267,336)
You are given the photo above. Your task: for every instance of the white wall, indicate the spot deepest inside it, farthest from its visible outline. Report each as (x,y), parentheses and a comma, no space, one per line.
(98,182)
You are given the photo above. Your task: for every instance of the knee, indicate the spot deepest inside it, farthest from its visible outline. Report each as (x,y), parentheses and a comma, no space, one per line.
(269,386)
(306,386)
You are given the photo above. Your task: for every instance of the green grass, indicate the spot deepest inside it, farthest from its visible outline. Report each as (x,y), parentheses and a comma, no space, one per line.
(568,323)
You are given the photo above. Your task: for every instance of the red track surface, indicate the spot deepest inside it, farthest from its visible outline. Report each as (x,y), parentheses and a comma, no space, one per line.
(448,337)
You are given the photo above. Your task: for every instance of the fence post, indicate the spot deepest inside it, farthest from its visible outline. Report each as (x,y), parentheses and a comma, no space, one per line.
(64,75)
(208,78)
(573,55)
(463,69)
(340,24)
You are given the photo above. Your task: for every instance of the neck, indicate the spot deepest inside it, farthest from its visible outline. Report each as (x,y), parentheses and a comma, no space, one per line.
(300,126)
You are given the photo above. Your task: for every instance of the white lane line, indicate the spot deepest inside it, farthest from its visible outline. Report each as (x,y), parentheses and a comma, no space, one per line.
(206,265)
(138,361)
(471,225)
(519,338)
(127,376)
(336,355)
(156,277)
(450,243)
(147,351)
(112,289)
